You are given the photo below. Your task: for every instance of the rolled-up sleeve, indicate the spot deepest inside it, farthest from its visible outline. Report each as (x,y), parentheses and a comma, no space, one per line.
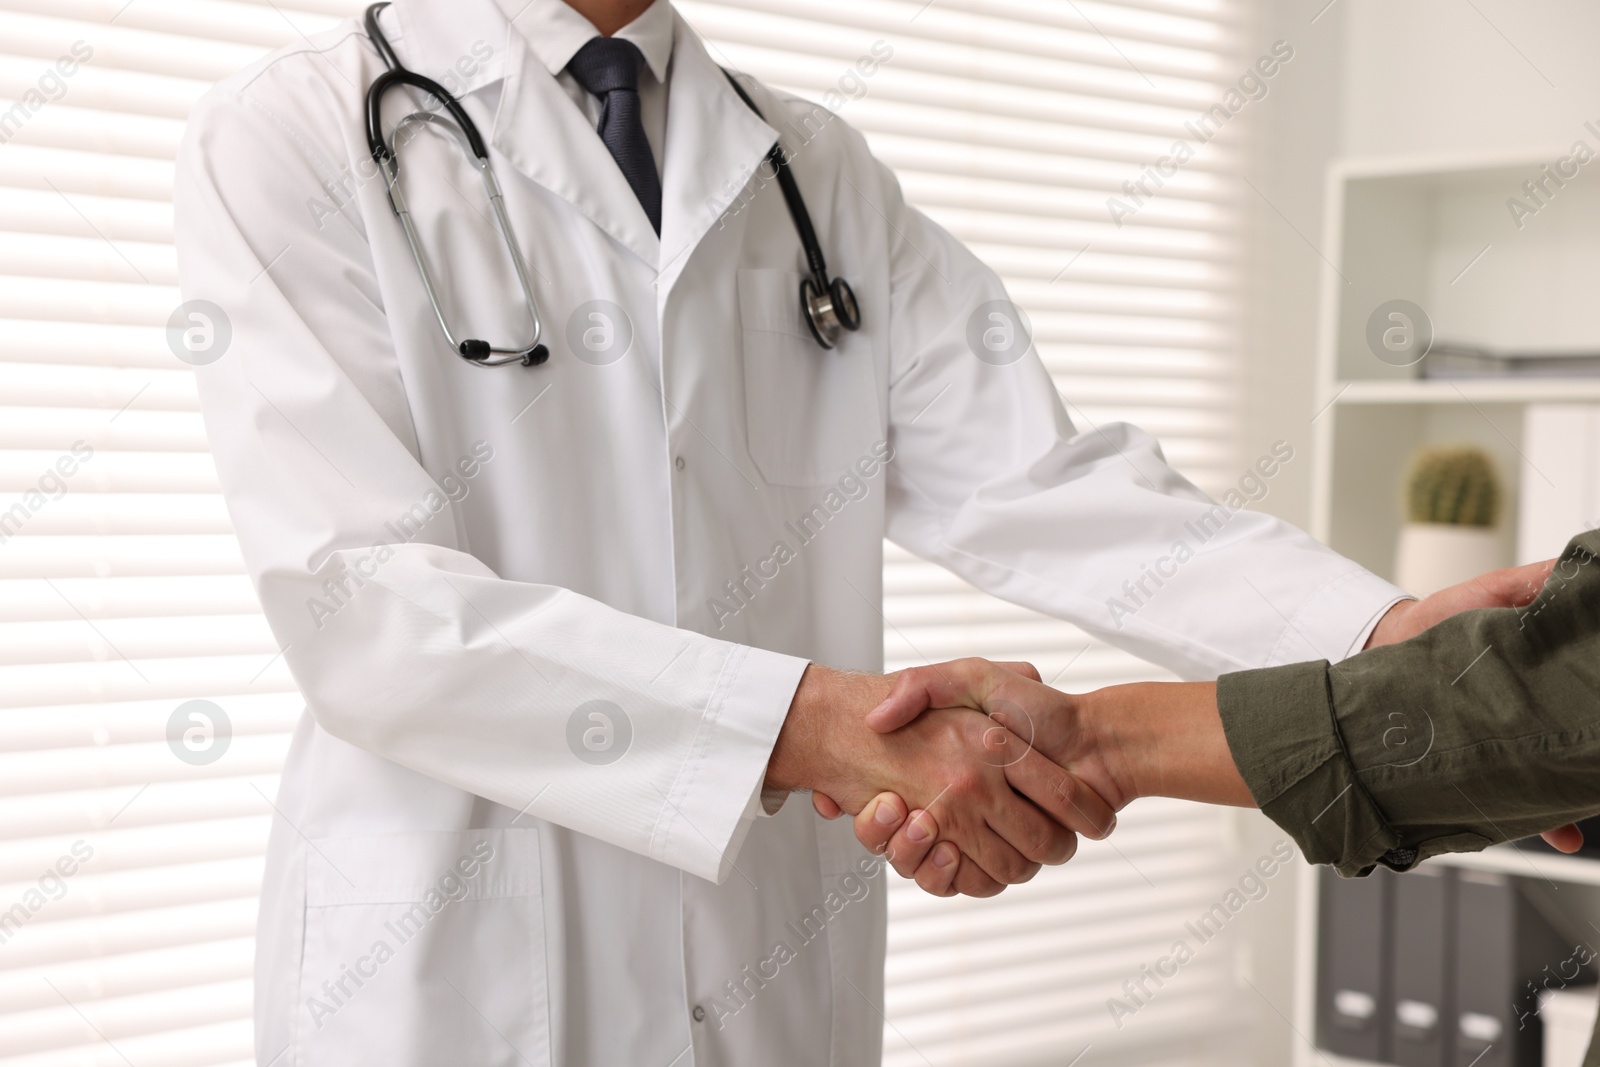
(1484,729)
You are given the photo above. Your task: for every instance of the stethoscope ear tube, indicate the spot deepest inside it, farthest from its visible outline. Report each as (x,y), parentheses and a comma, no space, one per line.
(376,36)
(477,352)
(401,76)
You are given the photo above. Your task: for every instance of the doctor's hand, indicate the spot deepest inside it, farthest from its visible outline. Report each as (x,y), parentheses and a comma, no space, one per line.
(1003,806)
(1511,587)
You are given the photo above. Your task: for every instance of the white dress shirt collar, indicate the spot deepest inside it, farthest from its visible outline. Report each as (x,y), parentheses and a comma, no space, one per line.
(555,31)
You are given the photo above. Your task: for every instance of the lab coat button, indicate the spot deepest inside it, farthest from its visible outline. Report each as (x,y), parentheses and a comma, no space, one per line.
(699,1013)
(680,464)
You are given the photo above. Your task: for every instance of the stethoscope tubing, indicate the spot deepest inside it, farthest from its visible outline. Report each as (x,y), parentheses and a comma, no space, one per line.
(478,353)
(827,304)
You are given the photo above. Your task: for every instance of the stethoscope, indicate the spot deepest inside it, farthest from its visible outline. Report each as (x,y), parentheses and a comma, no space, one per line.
(827,304)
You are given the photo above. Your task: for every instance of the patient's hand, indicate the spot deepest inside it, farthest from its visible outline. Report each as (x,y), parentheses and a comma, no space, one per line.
(1512,587)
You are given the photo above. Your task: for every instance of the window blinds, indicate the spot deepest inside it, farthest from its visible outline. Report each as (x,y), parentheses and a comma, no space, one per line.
(1012,122)
(128,870)
(128,875)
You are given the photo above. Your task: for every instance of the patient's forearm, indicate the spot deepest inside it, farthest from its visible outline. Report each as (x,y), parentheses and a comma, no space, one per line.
(1482,729)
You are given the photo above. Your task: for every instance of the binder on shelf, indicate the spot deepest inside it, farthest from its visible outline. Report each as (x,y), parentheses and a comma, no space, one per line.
(1502,946)
(1421,944)
(1352,986)
(1447,359)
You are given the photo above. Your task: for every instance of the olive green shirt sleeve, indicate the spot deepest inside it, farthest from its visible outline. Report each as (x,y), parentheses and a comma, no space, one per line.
(1485,728)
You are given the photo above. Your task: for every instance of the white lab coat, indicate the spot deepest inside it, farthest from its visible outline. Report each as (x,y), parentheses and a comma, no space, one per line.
(459,561)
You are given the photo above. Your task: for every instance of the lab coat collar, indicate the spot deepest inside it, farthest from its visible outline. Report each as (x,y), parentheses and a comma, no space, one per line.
(714,144)
(555,31)
(544,135)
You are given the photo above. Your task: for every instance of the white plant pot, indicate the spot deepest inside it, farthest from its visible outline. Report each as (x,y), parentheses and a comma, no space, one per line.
(1434,555)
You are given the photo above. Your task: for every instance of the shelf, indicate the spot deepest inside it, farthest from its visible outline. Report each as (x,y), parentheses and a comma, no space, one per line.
(1503,859)
(1324,1058)
(1470,390)
(1442,168)
(1435,232)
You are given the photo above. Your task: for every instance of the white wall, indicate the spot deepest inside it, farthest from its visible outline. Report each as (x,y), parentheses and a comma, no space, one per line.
(1453,76)
(1373,78)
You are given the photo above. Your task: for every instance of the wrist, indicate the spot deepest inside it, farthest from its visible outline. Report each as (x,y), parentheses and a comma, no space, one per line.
(1115,724)
(820,732)
(789,767)
(1165,739)
(1391,626)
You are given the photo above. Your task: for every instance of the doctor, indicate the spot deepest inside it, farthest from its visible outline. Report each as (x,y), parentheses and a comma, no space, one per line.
(561,628)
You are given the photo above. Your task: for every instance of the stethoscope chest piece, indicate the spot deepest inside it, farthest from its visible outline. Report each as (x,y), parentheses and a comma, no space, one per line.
(829,311)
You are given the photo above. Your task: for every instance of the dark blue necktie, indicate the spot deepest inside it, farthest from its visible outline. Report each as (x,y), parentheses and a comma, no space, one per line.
(609,68)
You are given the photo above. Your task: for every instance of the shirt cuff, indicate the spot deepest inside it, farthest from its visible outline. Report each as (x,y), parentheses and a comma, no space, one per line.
(1285,741)
(711,807)
(1336,623)
(1366,632)
(765,802)
(772,801)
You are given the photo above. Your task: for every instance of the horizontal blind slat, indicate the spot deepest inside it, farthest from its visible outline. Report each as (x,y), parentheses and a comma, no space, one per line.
(1016,147)
(122,592)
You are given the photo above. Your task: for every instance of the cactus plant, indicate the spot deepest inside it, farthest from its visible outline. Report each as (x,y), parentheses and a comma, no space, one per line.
(1454,485)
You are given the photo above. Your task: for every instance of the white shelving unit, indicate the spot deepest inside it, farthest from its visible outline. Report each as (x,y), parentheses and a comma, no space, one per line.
(1438,232)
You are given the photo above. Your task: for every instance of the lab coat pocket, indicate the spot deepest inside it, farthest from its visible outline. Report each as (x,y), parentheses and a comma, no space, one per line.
(422,949)
(810,412)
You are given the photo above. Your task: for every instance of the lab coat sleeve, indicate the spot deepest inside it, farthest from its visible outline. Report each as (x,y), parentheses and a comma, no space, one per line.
(1086,522)
(402,643)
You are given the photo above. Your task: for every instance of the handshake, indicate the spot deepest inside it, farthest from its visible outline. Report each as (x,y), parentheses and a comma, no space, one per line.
(970,775)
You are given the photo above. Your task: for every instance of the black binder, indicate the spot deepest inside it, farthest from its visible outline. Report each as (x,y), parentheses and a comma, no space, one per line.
(1501,944)
(1420,949)
(1352,986)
